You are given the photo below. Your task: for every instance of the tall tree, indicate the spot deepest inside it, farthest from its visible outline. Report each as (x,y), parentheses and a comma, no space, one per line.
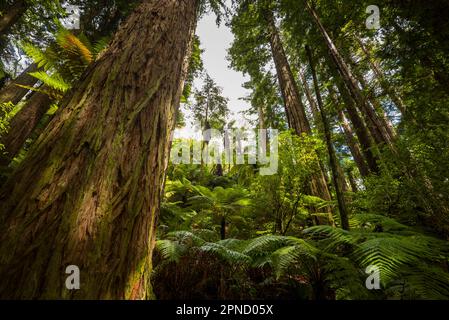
(293,104)
(88,192)
(353,144)
(368,147)
(378,131)
(387,88)
(336,174)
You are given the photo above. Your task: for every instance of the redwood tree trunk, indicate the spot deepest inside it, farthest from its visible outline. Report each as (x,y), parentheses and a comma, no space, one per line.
(289,89)
(88,192)
(374,103)
(313,106)
(11,15)
(295,109)
(378,131)
(337,179)
(386,87)
(352,144)
(360,130)
(22,125)
(12,92)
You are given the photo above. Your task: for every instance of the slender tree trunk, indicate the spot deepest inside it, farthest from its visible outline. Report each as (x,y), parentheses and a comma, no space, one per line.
(360,130)
(313,106)
(374,104)
(12,92)
(22,125)
(262,124)
(336,178)
(342,177)
(11,15)
(294,106)
(386,87)
(316,117)
(88,192)
(378,131)
(353,146)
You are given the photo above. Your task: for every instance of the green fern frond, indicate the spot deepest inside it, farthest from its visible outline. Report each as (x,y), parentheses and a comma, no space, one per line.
(332,237)
(345,277)
(429,282)
(291,256)
(224,253)
(371,221)
(43,59)
(54,81)
(100,46)
(171,251)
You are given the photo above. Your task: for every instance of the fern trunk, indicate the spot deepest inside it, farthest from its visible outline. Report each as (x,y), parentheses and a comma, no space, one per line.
(88,192)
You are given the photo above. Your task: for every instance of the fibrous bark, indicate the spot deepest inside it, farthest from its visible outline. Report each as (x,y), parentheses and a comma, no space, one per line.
(295,109)
(22,125)
(88,192)
(14,93)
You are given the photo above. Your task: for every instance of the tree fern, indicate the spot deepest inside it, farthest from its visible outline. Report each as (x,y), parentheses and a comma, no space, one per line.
(402,255)
(222,252)
(171,251)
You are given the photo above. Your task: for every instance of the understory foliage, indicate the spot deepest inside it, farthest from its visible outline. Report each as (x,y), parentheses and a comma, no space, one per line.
(362,180)
(323,263)
(274,250)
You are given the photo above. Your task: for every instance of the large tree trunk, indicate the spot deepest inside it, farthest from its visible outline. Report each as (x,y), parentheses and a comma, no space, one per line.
(378,131)
(289,89)
(295,109)
(336,177)
(88,192)
(12,92)
(11,15)
(22,125)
